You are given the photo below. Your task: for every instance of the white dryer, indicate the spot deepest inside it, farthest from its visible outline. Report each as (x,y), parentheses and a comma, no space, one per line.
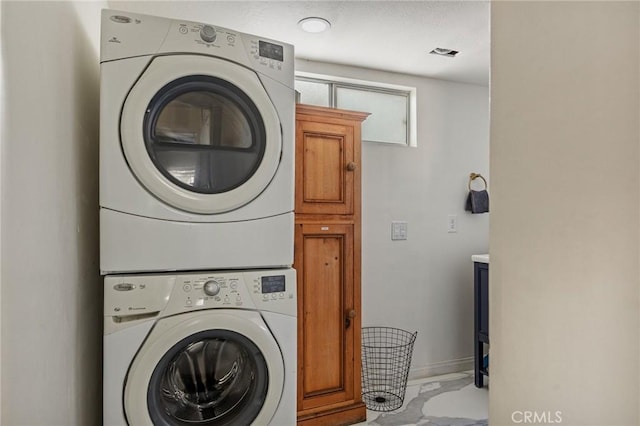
(210,348)
(196,147)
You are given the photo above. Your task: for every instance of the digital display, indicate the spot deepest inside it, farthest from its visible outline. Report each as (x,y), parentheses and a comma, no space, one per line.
(271,51)
(273,284)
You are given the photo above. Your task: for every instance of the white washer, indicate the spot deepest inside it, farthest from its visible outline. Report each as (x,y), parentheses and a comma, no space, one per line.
(196,147)
(215,348)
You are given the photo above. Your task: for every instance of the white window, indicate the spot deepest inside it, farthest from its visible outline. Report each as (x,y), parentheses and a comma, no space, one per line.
(314,92)
(392,107)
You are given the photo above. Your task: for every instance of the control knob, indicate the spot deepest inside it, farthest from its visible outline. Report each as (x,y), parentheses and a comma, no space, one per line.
(208,33)
(211,288)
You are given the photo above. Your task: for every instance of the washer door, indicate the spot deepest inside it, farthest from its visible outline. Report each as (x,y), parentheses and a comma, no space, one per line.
(206,368)
(200,133)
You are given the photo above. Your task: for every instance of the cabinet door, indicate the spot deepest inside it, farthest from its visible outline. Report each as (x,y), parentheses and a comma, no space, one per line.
(325,168)
(482,299)
(328,360)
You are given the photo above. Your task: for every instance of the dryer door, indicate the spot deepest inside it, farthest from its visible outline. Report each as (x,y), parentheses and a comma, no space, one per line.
(200,133)
(208,368)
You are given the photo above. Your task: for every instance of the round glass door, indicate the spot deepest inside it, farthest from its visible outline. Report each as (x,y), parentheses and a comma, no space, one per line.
(200,133)
(215,377)
(204,134)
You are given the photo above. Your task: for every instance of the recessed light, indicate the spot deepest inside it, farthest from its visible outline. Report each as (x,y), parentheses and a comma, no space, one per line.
(314,24)
(444,52)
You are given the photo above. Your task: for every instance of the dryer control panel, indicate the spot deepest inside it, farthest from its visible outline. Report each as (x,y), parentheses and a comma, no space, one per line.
(126,35)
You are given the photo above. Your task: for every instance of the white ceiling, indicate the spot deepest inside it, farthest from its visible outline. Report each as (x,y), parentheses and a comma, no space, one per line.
(386,35)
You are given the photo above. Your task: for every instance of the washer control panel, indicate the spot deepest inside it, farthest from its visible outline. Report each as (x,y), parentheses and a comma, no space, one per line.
(210,291)
(270,290)
(132,299)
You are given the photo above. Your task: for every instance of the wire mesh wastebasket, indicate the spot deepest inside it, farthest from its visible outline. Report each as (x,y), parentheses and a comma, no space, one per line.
(386,358)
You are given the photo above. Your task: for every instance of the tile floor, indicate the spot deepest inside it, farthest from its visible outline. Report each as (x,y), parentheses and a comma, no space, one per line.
(449,400)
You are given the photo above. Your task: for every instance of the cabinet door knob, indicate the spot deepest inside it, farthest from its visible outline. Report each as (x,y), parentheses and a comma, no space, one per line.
(350,315)
(351,166)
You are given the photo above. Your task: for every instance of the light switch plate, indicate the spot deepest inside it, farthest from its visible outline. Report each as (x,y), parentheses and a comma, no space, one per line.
(452,224)
(398,230)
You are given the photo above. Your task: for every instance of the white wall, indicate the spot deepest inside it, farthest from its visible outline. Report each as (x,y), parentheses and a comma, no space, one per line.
(51,290)
(565,224)
(426,282)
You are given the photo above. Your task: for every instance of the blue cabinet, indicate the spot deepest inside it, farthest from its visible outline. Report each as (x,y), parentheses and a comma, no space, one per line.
(480,320)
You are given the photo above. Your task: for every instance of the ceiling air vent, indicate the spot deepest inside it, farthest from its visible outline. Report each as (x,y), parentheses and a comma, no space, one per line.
(444,52)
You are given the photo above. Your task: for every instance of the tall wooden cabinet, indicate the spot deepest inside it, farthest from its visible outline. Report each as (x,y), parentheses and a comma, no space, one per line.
(327,260)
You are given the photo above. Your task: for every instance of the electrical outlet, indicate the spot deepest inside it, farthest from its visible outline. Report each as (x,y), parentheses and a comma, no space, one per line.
(452,223)
(398,230)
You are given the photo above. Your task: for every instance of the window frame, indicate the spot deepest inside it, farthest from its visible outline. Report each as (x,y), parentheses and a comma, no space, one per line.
(335,83)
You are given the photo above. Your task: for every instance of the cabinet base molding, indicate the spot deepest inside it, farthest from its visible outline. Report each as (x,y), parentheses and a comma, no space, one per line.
(340,416)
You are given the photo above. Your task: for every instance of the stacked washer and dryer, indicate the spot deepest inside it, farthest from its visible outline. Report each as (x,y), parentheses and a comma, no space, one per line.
(196,224)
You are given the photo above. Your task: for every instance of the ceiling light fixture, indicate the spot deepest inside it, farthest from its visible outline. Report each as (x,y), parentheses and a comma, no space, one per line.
(314,24)
(444,52)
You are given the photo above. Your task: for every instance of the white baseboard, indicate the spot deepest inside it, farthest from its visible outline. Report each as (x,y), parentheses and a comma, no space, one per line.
(440,368)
